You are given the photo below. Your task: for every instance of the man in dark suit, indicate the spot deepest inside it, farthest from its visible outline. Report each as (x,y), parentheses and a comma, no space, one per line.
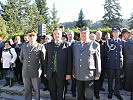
(114,62)
(57,65)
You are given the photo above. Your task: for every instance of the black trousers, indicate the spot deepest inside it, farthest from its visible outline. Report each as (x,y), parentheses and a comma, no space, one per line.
(73,87)
(113,74)
(56,87)
(85,90)
(99,83)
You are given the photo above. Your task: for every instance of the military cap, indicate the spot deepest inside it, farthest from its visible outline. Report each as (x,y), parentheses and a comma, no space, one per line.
(31,32)
(116,28)
(64,34)
(84,29)
(125,30)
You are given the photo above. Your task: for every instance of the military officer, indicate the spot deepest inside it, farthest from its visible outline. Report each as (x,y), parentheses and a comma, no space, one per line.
(57,65)
(114,62)
(32,55)
(86,64)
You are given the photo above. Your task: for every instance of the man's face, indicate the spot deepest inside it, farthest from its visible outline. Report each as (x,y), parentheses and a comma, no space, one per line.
(26,38)
(17,39)
(57,35)
(125,35)
(98,36)
(116,34)
(70,36)
(32,38)
(83,36)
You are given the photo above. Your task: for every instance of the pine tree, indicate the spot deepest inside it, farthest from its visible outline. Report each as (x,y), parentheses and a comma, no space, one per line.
(131,21)
(43,10)
(112,14)
(81,21)
(10,15)
(54,18)
(2,26)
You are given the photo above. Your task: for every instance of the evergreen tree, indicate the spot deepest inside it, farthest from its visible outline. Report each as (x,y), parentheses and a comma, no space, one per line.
(54,18)
(81,21)
(10,15)
(131,21)
(43,10)
(112,13)
(2,26)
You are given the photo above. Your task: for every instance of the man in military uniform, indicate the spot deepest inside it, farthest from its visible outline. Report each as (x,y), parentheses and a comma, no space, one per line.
(86,64)
(114,62)
(32,55)
(58,65)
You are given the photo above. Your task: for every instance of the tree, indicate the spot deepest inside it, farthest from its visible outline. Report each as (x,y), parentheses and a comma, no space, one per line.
(112,14)
(10,15)
(43,10)
(81,21)
(131,21)
(54,19)
(2,26)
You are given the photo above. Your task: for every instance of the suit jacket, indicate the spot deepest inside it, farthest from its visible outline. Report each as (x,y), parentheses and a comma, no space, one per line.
(63,60)
(32,58)
(86,61)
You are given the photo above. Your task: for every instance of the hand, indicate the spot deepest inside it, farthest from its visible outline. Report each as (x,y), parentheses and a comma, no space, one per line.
(74,76)
(45,75)
(40,72)
(96,78)
(68,77)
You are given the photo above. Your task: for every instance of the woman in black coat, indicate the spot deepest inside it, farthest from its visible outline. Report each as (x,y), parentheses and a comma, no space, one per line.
(128,64)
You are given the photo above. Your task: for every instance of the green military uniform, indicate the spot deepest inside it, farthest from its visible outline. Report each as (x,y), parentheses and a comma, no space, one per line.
(32,57)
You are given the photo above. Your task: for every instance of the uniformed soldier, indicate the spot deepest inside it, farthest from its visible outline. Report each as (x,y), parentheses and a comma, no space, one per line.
(86,64)
(114,62)
(31,55)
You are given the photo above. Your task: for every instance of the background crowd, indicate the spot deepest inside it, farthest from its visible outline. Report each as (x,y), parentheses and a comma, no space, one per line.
(61,58)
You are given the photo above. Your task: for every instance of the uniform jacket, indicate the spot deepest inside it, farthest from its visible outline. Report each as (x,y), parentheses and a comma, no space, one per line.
(32,58)
(114,55)
(63,60)
(86,60)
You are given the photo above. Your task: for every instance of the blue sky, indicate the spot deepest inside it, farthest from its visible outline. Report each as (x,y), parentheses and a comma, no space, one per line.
(68,10)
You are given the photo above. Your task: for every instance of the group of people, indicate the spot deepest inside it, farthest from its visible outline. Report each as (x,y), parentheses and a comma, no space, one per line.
(61,58)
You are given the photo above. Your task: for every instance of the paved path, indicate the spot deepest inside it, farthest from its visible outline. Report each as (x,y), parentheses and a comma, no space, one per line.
(16,93)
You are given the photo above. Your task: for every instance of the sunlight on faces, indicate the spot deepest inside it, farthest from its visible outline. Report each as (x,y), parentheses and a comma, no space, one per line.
(7,45)
(98,35)
(131,34)
(32,38)
(84,36)
(70,35)
(57,35)
(92,37)
(116,33)
(126,35)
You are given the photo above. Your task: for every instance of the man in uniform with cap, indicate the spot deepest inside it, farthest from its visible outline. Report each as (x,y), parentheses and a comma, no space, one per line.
(32,56)
(86,64)
(114,62)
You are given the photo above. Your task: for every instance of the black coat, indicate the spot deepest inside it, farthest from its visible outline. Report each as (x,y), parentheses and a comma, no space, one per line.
(63,60)
(128,66)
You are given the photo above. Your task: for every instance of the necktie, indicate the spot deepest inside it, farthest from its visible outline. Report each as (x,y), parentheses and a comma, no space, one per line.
(83,44)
